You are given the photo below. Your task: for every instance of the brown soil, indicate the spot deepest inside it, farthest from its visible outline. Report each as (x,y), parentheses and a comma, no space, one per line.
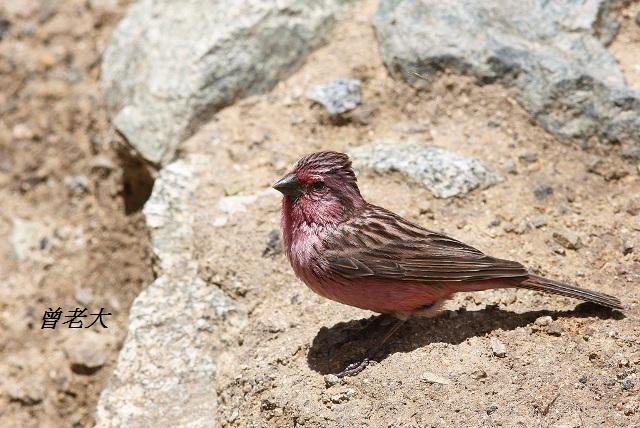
(90,254)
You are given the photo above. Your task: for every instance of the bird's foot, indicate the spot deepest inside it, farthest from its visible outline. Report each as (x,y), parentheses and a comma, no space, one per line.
(354,368)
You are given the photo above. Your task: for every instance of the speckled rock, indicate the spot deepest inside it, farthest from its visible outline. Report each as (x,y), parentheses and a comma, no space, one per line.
(444,173)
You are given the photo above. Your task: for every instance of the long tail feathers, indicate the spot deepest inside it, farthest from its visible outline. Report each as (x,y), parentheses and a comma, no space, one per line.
(535,282)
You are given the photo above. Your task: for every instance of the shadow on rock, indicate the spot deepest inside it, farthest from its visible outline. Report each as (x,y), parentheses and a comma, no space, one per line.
(336,347)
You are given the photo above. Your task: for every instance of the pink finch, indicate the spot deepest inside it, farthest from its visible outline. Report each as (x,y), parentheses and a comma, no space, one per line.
(359,254)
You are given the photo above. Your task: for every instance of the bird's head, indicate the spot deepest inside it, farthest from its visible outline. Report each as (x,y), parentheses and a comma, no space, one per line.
(320,189)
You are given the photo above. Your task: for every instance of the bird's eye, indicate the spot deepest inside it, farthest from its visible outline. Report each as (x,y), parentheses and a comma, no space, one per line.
(318,185)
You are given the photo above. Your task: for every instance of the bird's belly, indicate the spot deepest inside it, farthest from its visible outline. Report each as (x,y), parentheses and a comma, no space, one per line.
(381,296)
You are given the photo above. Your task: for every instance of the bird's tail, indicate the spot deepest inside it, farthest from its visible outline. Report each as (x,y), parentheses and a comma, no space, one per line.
(535,282)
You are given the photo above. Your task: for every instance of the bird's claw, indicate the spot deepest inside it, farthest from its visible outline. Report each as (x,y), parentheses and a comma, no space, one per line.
(354,368)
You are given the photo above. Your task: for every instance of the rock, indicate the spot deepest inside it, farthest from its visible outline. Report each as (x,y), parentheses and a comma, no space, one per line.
(84,295)
(627,384)
(343,396)
(444,173)
(509,166)
(274,244)
(568,239)
(543,192)
(330,380)
(637,19)
(165,374)
(101,163)
(538,221)
(339,96)
(22,132)
(555,329)
(28,391)
(528,158)
(87,351)
(429,377)
(543,321)
(77,184)
(26,238)
(553,54)
(169,66)
(499,349)
(627,246)
(479,374)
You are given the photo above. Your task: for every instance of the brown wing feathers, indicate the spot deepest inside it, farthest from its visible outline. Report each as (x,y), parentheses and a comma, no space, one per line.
(396,249)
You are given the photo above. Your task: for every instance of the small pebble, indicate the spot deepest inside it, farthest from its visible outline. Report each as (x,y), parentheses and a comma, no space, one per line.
(627,246)
(429,377)
(338,96)
(343,396)
(28,391)
(627,384)
(543,321)
(78,184)
(638,19)
(555,329)
(479,374)
(528,158)
(101,163)
(538,221)
(568,239)
(491,409)
(543,192)
(87,352)
(499,349)
(509,167)
(330,380)
(274,244)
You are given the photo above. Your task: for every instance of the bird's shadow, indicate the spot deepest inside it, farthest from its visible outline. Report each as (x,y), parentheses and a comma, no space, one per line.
(335,347)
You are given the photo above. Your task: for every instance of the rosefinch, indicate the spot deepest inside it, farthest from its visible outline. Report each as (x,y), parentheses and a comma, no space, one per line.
(356,253)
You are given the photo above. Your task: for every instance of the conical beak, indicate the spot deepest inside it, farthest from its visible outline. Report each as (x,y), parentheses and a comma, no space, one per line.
(289,185)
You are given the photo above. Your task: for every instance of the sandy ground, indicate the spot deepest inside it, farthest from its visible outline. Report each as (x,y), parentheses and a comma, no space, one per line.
(59,170)
(581,370)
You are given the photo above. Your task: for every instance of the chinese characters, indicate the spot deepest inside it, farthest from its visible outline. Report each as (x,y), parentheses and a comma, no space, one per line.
(76,318)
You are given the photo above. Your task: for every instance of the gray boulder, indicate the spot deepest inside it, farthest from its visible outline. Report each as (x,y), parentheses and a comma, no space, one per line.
(165,374)
(444,173)
(553,53)
(171,65)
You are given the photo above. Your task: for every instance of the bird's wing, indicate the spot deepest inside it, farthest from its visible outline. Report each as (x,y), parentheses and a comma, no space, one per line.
(379,244)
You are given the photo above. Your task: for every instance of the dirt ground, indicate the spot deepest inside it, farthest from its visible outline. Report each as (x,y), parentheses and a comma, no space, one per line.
(93,250)
(59,171)
(577,369)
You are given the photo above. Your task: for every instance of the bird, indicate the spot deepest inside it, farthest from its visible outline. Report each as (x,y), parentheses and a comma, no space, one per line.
(356,253)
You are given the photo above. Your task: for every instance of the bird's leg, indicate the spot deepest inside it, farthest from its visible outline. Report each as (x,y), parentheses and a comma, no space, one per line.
(355,368)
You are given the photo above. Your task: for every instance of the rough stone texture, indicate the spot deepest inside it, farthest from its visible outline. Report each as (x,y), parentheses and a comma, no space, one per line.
(25,237)
(171,65)
(166,369)
(339,96)
(444,173)
(553,53)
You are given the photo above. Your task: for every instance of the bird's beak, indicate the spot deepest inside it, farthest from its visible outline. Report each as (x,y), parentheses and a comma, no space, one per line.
(288,185)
